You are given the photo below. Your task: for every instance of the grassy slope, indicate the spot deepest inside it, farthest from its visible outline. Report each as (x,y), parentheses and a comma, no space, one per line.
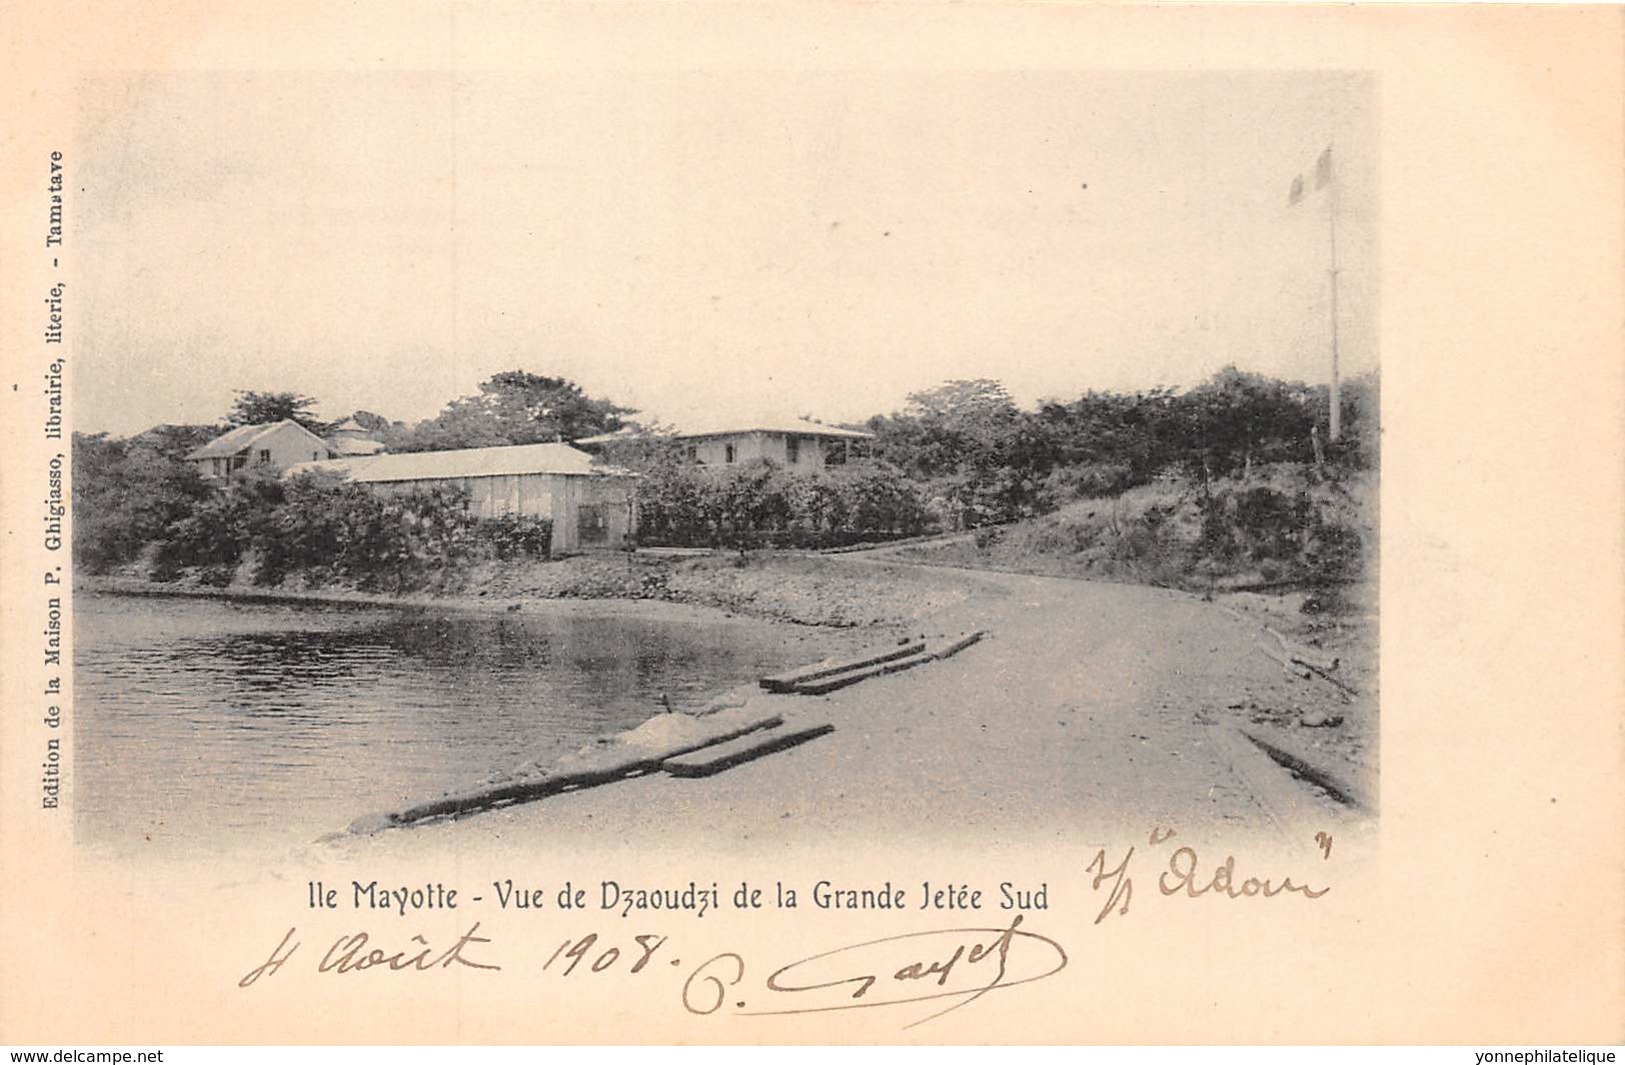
(1278,526)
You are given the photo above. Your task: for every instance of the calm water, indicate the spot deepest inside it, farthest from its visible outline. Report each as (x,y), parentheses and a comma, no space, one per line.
(203,723)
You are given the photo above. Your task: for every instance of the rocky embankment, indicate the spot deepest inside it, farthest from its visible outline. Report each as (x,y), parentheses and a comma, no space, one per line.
(803,589)
(796,588)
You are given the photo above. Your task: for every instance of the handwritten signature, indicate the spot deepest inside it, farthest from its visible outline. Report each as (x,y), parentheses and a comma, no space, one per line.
(947,963)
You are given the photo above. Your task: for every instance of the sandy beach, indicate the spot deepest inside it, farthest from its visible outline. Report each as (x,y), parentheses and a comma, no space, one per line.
(1090,708)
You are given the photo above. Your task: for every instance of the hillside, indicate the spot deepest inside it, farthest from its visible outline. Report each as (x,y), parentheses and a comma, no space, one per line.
(1276,526)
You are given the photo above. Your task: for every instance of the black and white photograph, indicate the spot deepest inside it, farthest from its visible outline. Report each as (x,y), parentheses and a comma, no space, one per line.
(912,454)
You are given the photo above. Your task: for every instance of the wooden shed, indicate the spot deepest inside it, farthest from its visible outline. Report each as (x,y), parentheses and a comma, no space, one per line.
(590,505)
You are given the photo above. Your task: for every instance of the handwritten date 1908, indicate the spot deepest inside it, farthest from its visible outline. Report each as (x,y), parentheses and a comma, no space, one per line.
(955,966)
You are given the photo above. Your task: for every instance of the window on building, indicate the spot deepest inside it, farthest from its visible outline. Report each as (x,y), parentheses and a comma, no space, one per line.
(216,466)
(265,456)
(727,452)
(792,449)
(239,461)
(692,454)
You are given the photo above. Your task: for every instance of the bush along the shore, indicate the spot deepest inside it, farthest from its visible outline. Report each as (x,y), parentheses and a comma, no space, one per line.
(760,505)
(321,531)
(127,494)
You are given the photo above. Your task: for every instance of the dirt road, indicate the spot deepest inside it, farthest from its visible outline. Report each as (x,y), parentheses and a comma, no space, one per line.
(1092,708)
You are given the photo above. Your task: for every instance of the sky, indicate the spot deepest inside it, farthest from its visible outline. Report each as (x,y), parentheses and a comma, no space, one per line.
(701,244)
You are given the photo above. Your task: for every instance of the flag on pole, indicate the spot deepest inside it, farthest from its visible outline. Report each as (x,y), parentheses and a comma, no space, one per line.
(1323,177)
(1323,168)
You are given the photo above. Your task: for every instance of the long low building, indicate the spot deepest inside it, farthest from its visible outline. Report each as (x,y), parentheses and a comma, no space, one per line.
(590,505)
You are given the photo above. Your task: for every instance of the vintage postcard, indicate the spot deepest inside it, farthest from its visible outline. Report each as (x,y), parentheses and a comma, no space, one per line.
(901,523)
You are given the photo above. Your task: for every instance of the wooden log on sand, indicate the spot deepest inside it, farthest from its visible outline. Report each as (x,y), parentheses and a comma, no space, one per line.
(1288,666)
(1310,767)
(1294,667)
(926,653)
(958,644)
(715,759)
(827,684)
(640,750)
(518,790)
(785,682)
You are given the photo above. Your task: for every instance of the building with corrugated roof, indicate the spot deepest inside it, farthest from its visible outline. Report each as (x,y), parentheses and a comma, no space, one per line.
(591,505)
(793,443)
(272,447)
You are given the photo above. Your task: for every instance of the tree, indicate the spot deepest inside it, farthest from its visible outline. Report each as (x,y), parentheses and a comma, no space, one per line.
(1235,419)
(645,447)
(757,502)
(1112,439)
(516,407)
(982,453)
(258,408)
(1360,447)
(372,422)
(175,440)
(127,493)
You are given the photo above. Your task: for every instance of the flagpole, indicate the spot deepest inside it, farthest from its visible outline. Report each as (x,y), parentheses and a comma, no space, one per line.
(1336,427)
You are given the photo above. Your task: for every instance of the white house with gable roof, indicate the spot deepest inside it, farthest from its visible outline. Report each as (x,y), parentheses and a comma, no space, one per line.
(272,447)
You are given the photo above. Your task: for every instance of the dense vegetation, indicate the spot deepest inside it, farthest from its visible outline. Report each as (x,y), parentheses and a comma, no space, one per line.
(513,407)
(1232,476)
(758,504)
(1231,483)
(264,530)
(1281,525)
(984,461)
